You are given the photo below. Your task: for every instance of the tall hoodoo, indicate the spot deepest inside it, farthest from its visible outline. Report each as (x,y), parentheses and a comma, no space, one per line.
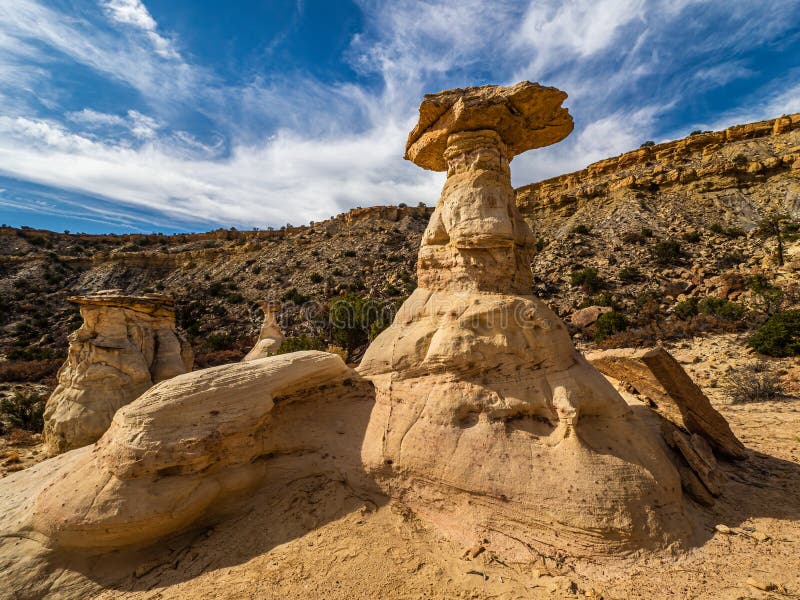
(487,420)
(125,345)
(270,336)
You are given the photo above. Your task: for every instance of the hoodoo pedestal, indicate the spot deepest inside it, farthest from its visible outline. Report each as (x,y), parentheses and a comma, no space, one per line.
(270,336)
(125,345)
(488,422)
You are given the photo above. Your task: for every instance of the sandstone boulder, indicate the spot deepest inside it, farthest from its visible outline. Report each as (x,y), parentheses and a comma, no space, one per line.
(270,337)
(124,346)
(487,421)
(187,453)
(655,374)
(586,317)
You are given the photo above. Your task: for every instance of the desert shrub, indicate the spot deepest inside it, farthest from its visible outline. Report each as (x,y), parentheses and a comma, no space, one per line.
(220,341)
(350,253)
(31,371)
(716,228)
(769,297)
(609,324)
(692,237)
(647,232)
(779,335)
(604,299)
(34,353)
(235,298)
(721,308)
(630,275)
(734,232)
(580,229)
(316,278)
(588,279)
(294,296)
(752,383)
(301,342)
(24,411)
(648,144)
(633,237)
(685,310)
(667,252)
(730,260)
(354,321)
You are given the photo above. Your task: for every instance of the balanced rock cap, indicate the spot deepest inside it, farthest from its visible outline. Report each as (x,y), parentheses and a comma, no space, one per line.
(526,115)
(154,304)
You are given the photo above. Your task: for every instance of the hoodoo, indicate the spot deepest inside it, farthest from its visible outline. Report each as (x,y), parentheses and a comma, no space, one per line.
(487,421)
(270,336)
(125,345)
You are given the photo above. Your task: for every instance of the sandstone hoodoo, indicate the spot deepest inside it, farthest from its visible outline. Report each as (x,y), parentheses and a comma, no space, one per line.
(270,336)
(124,346)
(488,422)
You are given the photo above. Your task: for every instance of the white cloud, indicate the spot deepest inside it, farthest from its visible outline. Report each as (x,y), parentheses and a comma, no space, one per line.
(135,14)
(131,12)
(290,147)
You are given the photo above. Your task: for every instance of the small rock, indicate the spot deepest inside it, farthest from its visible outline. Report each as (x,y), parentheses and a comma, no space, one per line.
(723,529)
(760,585)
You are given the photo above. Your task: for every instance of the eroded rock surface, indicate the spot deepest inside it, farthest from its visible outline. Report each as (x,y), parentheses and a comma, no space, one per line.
(125,345)
(185,454)
(270,336)
(487,420)
(655,374)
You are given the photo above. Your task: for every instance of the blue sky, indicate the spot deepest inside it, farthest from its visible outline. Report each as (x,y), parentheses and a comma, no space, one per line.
(186,115)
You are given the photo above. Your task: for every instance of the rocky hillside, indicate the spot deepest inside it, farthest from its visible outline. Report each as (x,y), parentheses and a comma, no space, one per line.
(664,226)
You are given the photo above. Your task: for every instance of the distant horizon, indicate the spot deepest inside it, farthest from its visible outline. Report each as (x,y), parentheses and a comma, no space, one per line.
(170,116)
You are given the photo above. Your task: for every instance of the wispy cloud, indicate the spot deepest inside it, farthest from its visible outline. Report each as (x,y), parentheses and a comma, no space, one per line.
(135,14)
(289,147)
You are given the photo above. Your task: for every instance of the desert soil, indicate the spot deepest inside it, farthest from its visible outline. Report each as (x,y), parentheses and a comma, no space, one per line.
(315,538)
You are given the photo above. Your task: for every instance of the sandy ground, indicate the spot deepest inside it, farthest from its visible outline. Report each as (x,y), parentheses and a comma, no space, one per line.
(314,538)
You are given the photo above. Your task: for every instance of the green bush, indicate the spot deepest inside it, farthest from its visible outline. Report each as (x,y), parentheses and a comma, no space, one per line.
(630,275)
(588,279)
(354,321)
(294,296)
(692,237)
(609,324)
(302,342)
(667,252)
(220,341)
(580,229)
(686,310)
(633,237)
(604,299)
(24,411)
(769,297)
(779,336)
(721,308)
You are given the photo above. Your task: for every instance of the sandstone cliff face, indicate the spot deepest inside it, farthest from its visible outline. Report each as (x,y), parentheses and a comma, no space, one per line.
(739,174)
(695,192)
(125,345)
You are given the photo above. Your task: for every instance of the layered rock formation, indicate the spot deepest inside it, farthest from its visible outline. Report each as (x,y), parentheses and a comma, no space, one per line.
(487,420)
(270,336)
(124,346)
(691,426)
(185,454)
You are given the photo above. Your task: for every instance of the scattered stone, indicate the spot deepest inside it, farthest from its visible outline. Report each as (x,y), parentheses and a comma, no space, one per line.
(586,317)
(656,374)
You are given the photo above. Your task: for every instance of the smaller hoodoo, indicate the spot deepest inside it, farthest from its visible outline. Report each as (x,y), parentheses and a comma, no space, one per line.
(488,422)
(125,345)
(270,337)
